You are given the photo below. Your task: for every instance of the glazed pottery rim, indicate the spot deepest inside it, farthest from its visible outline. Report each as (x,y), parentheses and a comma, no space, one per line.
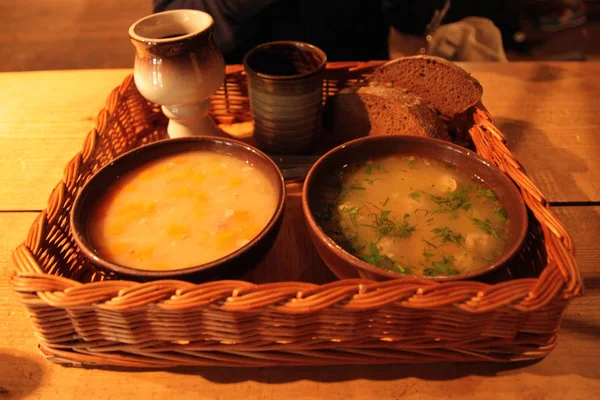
(359,264)
(81,203)
(293,43)
(144,39)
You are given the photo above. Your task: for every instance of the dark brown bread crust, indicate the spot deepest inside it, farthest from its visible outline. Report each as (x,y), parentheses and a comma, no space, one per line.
(363,111)
(438,82)
(428,120)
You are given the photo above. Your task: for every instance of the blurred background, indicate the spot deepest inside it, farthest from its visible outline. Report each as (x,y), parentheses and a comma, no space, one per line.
(88,34)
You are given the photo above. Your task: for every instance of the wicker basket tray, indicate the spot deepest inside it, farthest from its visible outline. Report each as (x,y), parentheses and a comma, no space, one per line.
(82,317)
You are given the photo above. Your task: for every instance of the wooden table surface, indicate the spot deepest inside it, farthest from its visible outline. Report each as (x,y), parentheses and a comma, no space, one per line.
(548,113)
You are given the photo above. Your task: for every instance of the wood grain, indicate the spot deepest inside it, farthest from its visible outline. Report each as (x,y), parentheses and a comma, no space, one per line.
(43,120)
(293,252)
(68,34)
(546,111)
(571,371)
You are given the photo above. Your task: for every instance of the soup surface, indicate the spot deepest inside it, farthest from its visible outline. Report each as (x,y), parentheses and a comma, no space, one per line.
(181,211)
(413,215)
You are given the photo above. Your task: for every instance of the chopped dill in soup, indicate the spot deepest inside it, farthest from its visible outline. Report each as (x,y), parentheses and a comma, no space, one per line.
(413,215)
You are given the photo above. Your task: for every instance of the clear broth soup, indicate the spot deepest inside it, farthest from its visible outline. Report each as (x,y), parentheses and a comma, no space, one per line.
(181,211)
(415,216)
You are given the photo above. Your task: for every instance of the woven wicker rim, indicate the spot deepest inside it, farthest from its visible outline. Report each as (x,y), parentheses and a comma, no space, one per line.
(559,280)
(171,323)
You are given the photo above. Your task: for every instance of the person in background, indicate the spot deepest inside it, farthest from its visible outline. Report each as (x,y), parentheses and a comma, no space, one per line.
(505,14)
(564,14)
(345,29)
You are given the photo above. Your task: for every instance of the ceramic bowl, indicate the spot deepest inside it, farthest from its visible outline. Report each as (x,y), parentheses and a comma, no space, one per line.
(234,264)
(345,265)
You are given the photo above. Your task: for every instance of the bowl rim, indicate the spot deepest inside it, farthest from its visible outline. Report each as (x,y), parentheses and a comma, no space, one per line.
(425,141)
(87,249)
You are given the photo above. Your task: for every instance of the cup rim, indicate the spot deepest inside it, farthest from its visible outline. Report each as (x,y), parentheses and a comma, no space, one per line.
(293,43)
(133,35)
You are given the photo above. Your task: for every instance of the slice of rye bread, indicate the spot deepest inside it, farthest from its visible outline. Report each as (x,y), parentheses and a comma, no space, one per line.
(379,110)
(440,83)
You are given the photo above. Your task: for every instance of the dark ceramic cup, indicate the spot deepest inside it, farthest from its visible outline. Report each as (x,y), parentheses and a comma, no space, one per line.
(285,86)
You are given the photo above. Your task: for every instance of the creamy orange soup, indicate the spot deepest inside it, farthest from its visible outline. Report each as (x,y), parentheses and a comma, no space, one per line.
(181,211)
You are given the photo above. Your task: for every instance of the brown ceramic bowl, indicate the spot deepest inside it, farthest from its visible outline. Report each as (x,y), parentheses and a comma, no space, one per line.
(233,265)
(345,265)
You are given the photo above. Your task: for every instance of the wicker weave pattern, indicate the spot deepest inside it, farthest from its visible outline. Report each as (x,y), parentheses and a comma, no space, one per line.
(81,317)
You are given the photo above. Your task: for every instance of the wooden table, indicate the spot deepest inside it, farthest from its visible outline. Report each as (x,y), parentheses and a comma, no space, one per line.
(548,113)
